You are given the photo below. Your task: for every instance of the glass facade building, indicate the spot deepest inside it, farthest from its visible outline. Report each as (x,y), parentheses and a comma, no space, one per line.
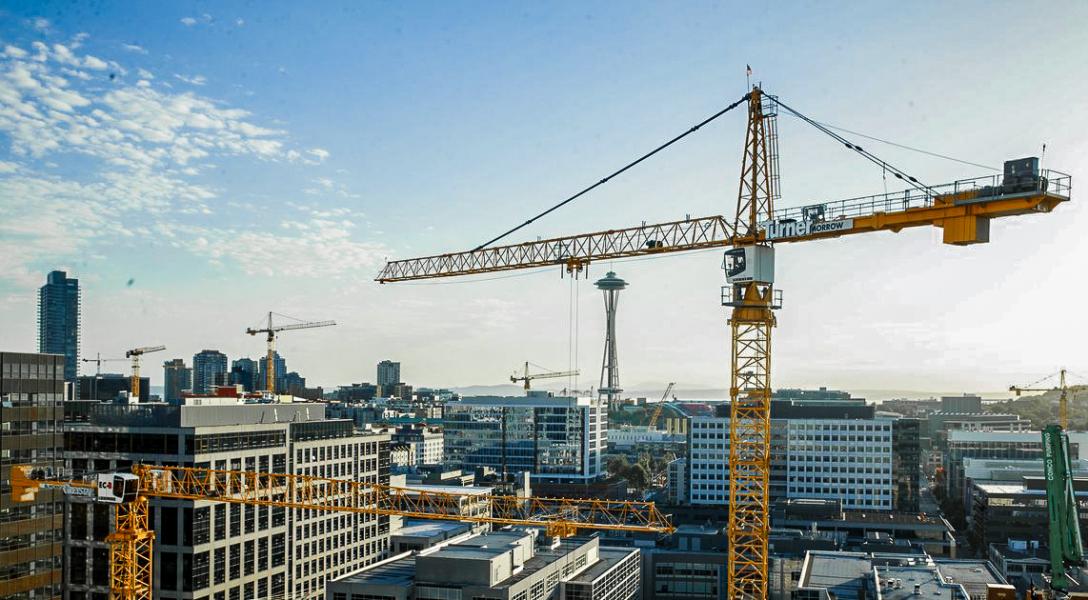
(58,320)
(552,438)
(32,391)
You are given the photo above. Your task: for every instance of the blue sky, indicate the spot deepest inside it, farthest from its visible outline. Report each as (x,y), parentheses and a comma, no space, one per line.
(247,157)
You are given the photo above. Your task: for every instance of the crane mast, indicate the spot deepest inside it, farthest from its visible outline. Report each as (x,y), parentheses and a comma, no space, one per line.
(270,338)
(962,210)
(135,354)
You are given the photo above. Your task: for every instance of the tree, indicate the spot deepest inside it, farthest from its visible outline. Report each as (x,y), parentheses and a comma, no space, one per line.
(638,477)
(618,466)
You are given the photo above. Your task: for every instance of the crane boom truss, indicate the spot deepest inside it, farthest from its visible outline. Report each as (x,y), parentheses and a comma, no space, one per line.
(321,493)
(960,204)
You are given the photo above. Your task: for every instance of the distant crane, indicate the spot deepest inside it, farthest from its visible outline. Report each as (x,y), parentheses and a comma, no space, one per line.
(98,360)
(661,405)
(527,377)
(271,331)
(135,354)
(1063,401)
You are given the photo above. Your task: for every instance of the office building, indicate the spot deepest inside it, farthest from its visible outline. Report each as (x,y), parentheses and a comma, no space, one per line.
(689,565)
(676,482)
(1015,511)
(32,394)
(209,370)
(426,443)
(111,387)
(821,451)
(996,445)
(279,368)
(212,550)
(177,379)
(292,382)
(555,438)
(388,373)
(246,373)
(503,565)
(58,320)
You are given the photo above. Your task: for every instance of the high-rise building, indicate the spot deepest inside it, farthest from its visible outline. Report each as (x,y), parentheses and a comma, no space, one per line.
(388,373)
(246,373)
(556,439)
(177,378)
(279,369)
(214,550)
(58,320)
(208,365)
(32,391)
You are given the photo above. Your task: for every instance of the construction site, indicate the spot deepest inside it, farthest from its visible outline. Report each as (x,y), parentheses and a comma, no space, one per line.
(239,479)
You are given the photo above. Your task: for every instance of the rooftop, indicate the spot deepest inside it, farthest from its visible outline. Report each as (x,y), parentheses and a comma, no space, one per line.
(609,557)
(429,528)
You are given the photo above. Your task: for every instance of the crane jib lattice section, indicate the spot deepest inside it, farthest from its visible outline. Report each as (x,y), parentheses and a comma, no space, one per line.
(300,491)
(981,197)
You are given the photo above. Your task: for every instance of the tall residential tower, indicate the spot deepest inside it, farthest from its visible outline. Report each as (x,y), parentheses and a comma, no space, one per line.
(58,320)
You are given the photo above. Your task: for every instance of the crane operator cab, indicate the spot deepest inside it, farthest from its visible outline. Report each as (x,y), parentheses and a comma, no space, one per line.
(117,488)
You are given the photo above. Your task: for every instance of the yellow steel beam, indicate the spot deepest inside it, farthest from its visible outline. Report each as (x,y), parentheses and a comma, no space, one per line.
(320,493)
(963,219)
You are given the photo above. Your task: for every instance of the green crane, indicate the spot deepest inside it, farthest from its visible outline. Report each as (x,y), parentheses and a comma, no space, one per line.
(1065,542)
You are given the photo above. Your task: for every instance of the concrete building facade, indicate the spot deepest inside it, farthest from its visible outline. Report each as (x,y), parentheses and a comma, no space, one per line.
(503,565)
(840,453)
(177,379)
(216,551)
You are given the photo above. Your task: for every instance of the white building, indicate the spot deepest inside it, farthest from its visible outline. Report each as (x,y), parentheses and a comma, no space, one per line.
(839,459)
(426,443)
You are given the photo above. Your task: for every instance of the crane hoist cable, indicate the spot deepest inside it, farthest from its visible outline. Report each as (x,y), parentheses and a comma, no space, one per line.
(620,171)
(906,147)
(899,173)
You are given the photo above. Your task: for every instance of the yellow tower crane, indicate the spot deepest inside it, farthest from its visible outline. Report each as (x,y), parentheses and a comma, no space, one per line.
(963,210)
(660,406)
(527,377)
(131,542)
(1063,398)
(271,331)
(135,354)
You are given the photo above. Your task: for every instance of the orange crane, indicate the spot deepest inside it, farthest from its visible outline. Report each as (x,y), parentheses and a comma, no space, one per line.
(962,210)
(526,378)
(1063,399)
(132,539)
(135,354)
(271,331)
(660,406)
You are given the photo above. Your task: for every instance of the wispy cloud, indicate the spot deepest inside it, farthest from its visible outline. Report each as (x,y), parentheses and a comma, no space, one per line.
(195,80)
(188,21)
(134,48)
(141,147)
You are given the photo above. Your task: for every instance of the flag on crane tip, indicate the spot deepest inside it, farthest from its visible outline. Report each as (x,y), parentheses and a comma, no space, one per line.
(749,68)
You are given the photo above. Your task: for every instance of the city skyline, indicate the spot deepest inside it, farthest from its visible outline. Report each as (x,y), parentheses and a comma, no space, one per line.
(205,191)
